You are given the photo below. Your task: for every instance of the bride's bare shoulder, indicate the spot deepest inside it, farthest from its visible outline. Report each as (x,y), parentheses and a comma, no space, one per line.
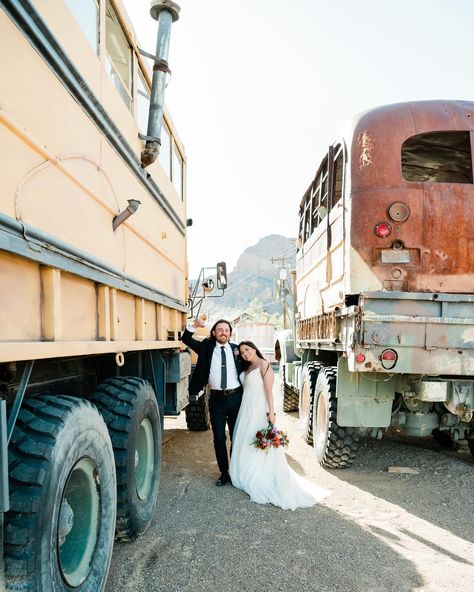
(265,368)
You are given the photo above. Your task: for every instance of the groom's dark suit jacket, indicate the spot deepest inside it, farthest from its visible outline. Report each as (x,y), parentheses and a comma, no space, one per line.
(204,350)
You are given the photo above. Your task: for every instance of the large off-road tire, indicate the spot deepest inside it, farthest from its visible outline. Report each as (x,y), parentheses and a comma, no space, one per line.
(335,447)
(197,414)
(59,532)
(129,408)
(308,384)
(290,397)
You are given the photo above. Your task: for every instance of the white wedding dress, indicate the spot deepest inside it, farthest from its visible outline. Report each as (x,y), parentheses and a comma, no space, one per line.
(265,474)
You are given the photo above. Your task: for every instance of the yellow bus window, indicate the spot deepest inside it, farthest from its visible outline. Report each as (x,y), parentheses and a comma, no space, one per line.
(143,103)
(86,13)
(118,55)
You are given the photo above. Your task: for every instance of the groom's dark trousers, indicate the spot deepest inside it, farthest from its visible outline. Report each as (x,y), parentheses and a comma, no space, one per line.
(223,409)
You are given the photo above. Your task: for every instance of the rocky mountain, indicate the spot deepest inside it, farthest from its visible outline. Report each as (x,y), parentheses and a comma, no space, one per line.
(254,277)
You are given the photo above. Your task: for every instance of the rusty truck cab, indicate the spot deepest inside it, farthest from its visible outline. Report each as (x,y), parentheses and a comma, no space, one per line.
(411,196)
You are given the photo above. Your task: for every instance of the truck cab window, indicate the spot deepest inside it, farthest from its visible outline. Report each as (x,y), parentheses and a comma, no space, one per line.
(118,55)
(86,13)
(442,157)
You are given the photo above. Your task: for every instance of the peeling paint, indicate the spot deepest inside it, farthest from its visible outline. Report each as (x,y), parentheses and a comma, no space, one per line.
(366,147)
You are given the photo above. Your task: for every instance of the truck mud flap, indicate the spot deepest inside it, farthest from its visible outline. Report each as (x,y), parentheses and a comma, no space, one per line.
(364,399)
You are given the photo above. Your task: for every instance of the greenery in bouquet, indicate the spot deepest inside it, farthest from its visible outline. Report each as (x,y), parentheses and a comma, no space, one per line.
(270,437)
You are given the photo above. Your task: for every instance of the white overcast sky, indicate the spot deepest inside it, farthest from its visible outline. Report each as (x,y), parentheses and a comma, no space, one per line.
(260,88)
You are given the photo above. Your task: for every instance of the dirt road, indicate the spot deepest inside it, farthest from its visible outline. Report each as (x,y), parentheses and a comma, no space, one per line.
(376,532)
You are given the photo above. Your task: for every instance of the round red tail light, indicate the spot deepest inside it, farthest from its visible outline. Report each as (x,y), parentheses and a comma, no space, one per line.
(360,358)
(383,229)
(388,358)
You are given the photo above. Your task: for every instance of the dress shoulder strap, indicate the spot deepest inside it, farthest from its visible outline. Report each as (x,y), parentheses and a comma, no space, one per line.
(268,366)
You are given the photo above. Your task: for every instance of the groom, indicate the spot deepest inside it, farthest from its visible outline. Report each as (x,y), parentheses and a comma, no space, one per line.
(218,365)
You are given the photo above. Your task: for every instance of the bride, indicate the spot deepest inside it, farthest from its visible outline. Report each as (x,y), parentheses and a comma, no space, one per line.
(264,474)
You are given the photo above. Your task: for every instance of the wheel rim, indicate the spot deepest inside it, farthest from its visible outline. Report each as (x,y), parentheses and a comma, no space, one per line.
(319,436)
(144,459)
(304,408)
(78,522)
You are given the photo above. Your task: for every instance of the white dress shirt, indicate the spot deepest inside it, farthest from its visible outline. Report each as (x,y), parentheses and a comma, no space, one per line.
(215,370)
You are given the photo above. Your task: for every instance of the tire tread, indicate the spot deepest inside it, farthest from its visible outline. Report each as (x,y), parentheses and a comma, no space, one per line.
(115,399)
(342,443)
(290,396)
(311,368)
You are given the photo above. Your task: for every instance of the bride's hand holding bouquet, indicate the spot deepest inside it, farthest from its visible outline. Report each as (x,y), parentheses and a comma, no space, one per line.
(270,437)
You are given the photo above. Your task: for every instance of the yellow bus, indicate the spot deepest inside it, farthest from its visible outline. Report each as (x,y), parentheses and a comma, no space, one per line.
(94,289)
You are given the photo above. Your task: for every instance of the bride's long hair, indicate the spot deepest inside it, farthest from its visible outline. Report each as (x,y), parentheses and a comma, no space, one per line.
(245,363)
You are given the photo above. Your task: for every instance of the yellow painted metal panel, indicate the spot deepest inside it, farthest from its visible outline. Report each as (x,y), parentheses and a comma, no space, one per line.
(126,317)
(114,318)
(150,321)
(20,299)
(53,202)
(49,349)
(103,312)
(78,308)
(51,304)
(21,160)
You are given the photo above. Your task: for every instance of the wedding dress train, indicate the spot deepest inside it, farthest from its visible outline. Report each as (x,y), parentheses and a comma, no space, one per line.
(265,474)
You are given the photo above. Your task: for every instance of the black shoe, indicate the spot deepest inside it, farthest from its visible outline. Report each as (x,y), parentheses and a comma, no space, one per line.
(223,479)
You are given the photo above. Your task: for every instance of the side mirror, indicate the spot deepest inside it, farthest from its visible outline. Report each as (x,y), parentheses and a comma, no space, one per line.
(221,276)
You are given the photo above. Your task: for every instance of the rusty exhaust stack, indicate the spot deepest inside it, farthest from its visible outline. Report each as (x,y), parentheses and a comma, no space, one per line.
(165,12)
(131,209)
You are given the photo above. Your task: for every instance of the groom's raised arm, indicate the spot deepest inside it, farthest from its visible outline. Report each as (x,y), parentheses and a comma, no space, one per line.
(188,339)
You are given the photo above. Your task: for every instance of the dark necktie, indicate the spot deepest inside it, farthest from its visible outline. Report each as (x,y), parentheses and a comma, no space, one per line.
(223,369)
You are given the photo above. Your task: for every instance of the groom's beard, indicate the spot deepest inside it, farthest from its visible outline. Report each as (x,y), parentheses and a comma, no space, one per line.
(223,340)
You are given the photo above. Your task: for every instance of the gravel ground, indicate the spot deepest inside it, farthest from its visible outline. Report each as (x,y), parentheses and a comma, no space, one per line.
(376,532)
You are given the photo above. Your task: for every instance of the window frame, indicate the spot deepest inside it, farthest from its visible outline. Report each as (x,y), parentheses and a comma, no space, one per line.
(412,158)
(70,4)
(321,193)
(108,61)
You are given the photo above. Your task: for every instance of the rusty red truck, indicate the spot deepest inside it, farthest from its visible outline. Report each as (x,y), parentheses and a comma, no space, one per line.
(384,283)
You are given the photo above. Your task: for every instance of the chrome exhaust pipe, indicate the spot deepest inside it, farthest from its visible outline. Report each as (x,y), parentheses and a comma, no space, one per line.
(165,12)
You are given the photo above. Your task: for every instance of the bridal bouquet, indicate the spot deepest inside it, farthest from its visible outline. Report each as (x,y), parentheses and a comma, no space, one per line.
(269,437)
